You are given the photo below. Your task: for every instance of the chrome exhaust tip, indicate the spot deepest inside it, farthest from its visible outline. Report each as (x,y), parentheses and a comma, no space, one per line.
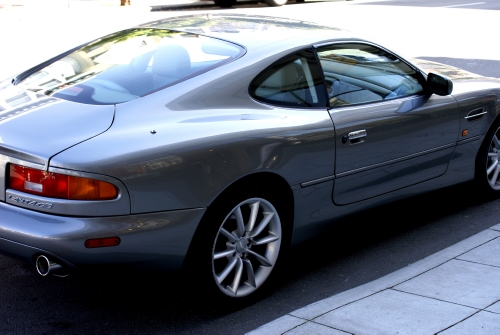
(44,266)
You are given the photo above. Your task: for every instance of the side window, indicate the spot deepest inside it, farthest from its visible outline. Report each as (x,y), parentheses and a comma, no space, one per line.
(359,73)
(293,81)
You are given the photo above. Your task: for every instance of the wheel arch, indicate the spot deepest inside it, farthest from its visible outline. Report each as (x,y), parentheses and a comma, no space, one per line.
(266,181)
(494,124)
(482,152)
(271,183)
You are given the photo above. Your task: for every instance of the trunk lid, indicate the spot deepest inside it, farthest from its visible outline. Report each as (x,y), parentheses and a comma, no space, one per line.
(35,127)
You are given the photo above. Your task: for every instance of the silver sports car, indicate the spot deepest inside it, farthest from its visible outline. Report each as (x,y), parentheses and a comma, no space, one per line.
(215,142)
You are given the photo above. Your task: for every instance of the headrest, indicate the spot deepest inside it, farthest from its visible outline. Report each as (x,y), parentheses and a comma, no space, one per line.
(171,60)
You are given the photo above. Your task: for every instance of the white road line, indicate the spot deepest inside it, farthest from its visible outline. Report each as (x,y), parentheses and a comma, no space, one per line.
(468,4)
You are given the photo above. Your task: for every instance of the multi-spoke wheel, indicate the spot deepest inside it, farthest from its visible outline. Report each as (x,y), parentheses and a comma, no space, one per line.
(488,162)
(492,161)
(246,247)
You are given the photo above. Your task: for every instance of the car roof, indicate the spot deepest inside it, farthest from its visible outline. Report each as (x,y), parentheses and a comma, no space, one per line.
(251,31)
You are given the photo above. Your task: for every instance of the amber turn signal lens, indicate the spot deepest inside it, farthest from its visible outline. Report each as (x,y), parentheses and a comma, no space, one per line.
(61,186)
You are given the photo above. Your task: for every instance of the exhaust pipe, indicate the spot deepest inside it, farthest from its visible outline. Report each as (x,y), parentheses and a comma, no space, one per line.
(45,266)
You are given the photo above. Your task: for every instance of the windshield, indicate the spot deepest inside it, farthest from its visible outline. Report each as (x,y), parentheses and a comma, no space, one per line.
(129,64)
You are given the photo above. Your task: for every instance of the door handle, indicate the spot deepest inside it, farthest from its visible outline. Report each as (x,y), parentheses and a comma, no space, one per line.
(355,137)
(475,114)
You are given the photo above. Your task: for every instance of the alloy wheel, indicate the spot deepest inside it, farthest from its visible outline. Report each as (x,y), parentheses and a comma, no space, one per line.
(246,247)
(492,162)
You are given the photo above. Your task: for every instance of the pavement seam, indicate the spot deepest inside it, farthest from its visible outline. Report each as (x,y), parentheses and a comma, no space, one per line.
(342,330)
(312,321)
(350,302)
(477,310)
(449,302)
(481,310)
(454,257)
(295,326)
(456,323)
(465,260)
(490,306)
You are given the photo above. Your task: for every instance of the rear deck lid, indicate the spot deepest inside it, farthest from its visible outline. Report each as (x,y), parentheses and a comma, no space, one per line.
(35,127)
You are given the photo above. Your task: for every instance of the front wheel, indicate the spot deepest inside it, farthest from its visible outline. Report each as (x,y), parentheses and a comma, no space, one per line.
(488,161)
(246,247)
(492,164)
(274,3)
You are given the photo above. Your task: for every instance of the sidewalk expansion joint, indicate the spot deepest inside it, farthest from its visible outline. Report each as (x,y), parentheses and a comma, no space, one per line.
(453,258)
(317,323)
(456,323)
(465,260)
(449,302)
(478,311)
(346,304)
(485,309)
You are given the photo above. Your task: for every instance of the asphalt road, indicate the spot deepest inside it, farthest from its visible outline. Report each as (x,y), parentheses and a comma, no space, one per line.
(355,251)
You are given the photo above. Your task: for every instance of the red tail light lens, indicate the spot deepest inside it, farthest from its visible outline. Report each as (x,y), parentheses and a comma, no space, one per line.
(55,185)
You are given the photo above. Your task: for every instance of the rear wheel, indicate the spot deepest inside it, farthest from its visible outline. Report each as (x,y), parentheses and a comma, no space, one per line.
(246,247)
(238,244)
(276,2)
(225,3)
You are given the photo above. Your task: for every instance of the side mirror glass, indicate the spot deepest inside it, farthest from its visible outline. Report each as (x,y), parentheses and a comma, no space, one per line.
(439,85)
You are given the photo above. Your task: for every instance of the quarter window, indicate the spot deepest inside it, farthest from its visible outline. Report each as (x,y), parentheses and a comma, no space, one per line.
(293,81)
(359,73)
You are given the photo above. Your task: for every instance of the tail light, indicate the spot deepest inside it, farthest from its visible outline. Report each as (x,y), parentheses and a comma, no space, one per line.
(56,185)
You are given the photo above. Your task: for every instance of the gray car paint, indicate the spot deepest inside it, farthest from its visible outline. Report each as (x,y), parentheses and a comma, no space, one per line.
(397,141)
(154,240)
(209,134)
(44,126)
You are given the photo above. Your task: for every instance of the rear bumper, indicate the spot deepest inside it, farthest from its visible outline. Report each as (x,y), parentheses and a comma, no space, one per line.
(156,240)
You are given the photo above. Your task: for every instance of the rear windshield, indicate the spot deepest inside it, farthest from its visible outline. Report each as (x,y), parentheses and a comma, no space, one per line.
(129,64)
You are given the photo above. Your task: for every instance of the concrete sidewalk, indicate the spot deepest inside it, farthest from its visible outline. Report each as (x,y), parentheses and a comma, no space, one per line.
(455,291)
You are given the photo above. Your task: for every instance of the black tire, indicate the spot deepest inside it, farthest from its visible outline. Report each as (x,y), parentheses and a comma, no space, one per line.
(274,3)
(225,3)
(251,265)
(487,174)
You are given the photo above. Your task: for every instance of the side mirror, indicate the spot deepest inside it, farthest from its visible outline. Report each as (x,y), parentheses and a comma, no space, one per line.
(439,84)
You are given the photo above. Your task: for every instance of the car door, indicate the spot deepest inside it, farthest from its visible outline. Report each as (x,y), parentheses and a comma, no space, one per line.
(390,133)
